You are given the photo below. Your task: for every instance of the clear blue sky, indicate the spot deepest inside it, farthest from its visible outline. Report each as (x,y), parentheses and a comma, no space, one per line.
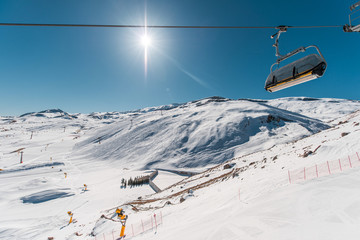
(102,69)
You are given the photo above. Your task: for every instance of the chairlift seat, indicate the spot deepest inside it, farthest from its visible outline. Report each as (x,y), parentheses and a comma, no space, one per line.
(302,70)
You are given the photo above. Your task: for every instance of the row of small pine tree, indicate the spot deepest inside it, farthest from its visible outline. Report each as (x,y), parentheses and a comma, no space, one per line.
(137,181)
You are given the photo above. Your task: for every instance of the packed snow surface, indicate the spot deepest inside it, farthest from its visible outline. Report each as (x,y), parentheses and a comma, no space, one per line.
(241,149)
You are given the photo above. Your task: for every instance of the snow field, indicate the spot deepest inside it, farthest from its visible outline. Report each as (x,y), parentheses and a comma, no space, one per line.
(261,138)
(324,169)
(165,179)
(270,207)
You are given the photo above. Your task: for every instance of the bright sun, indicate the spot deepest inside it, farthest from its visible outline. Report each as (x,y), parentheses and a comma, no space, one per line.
(146,41)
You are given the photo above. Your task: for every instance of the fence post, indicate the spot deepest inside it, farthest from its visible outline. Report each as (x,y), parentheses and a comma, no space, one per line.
(340,165)
(161,217)
(155,221)
(113,234)
(152,224)
(358,156)
(328,167)
(317,173)
(142,223)
(304,174)
(289,179)
(132,228)
(350,161)
(104,235)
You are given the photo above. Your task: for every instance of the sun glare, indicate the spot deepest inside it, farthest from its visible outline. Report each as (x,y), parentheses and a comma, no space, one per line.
(146,41)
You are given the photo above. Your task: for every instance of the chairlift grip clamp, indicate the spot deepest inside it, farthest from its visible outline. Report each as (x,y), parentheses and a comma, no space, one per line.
(281,28)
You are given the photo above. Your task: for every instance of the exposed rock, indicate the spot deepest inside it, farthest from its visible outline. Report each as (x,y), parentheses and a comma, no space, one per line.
(229,165)
(344,134)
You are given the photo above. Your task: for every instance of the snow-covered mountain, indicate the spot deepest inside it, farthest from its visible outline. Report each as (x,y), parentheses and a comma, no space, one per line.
(247,196)
(50,113)
(253,199)
(197,134)
(324,109)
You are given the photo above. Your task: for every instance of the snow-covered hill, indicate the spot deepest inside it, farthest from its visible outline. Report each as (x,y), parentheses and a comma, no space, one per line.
(197,134)
(254,199)
(262,139)
(324,109)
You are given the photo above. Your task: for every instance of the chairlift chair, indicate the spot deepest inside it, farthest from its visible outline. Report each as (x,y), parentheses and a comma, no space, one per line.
(302,70)
(350,27)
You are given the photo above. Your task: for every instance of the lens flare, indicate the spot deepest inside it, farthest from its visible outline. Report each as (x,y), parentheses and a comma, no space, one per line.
(146,41)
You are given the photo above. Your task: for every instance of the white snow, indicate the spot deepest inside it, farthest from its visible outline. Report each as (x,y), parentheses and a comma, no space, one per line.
(165,179)
(250,200)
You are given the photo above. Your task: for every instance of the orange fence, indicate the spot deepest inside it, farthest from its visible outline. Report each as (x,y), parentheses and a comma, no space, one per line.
(133,230)
(324,169)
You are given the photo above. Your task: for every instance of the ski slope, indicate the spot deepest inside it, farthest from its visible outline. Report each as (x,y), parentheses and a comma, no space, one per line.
(257,202)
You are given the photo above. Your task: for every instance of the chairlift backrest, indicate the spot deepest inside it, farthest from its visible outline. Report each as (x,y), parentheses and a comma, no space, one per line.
(296,51)
(302,70)
(297,67)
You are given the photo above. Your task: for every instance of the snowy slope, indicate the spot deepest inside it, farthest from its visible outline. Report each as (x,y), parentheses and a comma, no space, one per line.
(262,138)
(324,109)
(197,134)
(259,202)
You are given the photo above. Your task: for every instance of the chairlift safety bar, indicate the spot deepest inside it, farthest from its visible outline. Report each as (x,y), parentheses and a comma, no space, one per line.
(300,49)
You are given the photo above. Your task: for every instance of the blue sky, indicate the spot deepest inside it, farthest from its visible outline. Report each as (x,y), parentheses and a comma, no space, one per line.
(102,69)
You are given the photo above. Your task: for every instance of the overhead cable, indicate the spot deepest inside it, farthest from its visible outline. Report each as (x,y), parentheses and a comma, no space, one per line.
(155,26)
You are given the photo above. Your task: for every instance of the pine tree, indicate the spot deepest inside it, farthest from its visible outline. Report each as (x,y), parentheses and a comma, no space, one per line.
(123,182)
(130,182)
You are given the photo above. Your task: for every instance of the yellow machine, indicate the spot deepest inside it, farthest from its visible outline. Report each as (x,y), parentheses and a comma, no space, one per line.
(121,215)
(71,216)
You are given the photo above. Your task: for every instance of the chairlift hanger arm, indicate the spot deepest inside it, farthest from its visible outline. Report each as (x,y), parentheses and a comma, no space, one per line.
(282,29)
